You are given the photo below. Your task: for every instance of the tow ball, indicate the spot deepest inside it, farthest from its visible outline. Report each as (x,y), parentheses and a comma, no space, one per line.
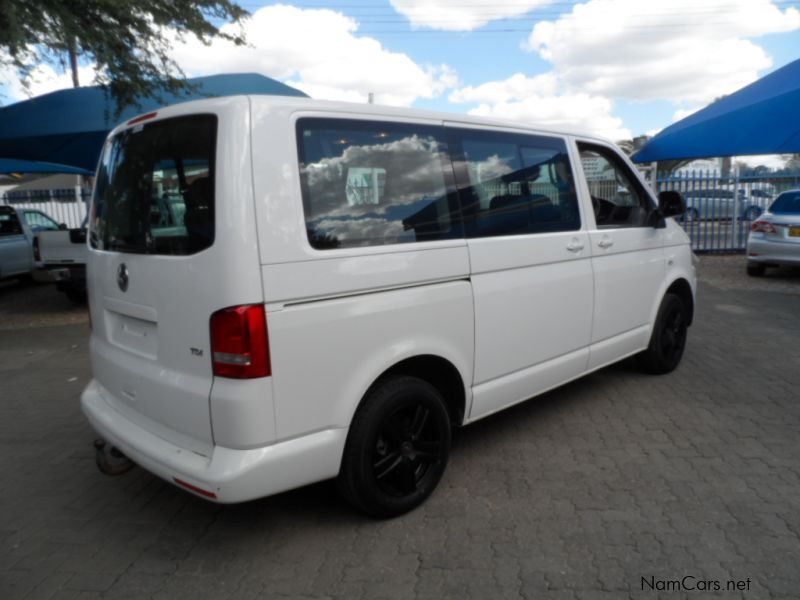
(112,462)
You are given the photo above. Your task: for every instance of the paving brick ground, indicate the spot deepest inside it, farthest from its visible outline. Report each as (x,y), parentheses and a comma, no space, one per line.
(578,495)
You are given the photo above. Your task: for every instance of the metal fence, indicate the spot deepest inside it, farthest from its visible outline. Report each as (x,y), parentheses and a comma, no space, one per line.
(68,205)
(719,210)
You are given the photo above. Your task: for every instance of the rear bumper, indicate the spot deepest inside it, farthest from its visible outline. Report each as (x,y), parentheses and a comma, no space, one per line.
(230,475)
(769,252)
(43,275)
(61,274)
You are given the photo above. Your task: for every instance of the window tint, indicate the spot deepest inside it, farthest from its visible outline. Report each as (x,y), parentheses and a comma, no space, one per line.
(618,198)
(369,183)
(155,188)
(512,184)
(39,221)
(788,202)
(9,222)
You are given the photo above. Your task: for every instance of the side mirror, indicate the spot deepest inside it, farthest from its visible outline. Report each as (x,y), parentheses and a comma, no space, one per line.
(62,226)
(671,204)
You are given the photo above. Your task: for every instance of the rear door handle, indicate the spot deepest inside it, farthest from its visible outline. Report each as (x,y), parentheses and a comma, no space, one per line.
(605,243)
(575,246)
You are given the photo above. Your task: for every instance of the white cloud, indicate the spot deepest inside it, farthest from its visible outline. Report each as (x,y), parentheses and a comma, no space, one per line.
(319,52)
(44,79)
(682,113)
(538,101)
(683,52)
(458,15)
(517,86)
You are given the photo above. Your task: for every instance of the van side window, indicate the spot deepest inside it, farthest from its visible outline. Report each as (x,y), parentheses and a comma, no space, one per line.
(369,183)
(513,184)
(618,198)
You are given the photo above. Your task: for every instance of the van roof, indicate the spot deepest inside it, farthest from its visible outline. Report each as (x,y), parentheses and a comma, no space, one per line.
(356,109)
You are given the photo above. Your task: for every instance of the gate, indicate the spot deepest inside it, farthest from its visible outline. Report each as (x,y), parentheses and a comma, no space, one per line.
(719,210)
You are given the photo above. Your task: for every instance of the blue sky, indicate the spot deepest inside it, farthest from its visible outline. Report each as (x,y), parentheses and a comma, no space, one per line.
(616,67)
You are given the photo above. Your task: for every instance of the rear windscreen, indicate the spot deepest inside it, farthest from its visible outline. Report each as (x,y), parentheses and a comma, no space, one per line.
(155,188)
(788,202)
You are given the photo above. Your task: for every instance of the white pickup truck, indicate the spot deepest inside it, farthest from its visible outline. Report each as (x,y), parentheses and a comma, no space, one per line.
(18,230)
(61,257)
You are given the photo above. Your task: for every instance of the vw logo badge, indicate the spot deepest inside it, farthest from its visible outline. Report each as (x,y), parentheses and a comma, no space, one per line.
(122,277)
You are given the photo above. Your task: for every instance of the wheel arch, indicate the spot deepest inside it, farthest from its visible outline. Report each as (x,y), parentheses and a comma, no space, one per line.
(681,288)
(439,372)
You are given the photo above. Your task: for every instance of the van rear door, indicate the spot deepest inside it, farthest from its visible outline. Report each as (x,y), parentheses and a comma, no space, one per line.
(172,239)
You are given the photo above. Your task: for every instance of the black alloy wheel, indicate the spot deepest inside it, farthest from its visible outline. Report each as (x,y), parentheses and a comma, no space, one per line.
(673,333)
(408,446)
(668,339)
(397,447)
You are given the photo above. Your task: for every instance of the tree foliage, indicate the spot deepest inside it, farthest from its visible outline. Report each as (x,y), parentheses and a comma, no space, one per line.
(129,42)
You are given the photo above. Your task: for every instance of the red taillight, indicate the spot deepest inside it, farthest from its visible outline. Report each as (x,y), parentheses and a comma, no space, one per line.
(37,256)
(239,342)
(141,118)
(763,227)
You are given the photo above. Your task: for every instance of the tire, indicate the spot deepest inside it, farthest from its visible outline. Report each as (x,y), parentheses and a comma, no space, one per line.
(25,279)
(397,447)
(668,339)
(76,296)
(756,270)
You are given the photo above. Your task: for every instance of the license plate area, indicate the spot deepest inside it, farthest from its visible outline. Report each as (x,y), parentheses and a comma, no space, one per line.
(132,334)
(794,231)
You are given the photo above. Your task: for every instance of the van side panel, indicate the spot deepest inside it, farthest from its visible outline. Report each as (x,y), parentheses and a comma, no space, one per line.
(326,354)
(338,318)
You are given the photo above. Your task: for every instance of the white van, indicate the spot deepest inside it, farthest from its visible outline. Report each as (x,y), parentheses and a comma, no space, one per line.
(284,291)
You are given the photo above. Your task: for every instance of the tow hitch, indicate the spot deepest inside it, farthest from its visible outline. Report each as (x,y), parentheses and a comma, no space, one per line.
(112,462)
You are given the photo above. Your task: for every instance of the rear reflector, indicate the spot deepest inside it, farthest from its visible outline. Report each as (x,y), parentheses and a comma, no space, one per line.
(763,226)
(194,488)
(239,342)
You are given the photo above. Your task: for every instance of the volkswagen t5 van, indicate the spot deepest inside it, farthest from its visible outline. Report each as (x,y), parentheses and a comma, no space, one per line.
(284,291)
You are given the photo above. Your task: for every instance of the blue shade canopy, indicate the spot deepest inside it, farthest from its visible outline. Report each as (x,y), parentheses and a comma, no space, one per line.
(762,118)
(12,165)
(69,126)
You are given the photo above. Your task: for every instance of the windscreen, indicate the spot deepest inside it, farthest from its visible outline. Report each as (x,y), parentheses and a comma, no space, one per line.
(155,188)
(788,202)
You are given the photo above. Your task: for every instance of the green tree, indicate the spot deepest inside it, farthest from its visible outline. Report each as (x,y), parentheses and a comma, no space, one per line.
(129,42)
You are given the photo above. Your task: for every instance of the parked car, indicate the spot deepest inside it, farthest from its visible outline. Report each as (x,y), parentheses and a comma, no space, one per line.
(774,237)
(343,283)
(61,257)
(18,227)
(717,203)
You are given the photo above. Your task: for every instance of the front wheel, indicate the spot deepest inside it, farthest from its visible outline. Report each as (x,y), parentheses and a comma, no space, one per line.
(397,447)
(668,339)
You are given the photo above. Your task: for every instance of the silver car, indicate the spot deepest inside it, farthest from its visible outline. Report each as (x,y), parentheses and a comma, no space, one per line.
(775,236)
(711,204)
